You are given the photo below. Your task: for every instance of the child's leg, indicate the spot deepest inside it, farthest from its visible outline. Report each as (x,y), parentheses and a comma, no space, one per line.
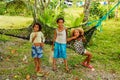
(66,65)
(38,65)
(39,72)
(35,61)
(88,58)
(54,64)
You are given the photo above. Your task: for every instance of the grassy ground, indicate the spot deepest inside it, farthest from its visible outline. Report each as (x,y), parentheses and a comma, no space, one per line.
(75,11)
(104,47)
(13,21)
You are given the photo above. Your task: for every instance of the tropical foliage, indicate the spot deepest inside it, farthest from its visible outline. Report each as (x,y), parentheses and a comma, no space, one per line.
(98,11)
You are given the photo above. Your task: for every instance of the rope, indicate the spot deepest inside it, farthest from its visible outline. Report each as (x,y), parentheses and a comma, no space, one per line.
(99,22)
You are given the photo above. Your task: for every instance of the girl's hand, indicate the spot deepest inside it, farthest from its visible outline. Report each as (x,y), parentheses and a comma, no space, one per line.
(41,44)
(74,37)
(35,35)
(52,48)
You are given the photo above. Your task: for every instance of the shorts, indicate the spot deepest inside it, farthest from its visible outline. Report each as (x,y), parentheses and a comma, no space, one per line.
(59,50)
(83,52)
(37,52)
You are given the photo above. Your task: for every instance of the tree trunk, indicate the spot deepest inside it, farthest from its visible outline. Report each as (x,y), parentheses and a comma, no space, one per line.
(35,11)
(86,10)
(43,6)
(117,13)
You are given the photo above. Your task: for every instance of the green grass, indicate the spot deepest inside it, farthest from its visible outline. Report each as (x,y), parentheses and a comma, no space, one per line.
(73,11)
(104,46)
(71,14)
(14,22)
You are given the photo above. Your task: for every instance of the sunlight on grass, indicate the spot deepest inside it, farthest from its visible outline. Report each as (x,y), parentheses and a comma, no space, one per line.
(71,14)
(73,11)
(105,46)
(14,22)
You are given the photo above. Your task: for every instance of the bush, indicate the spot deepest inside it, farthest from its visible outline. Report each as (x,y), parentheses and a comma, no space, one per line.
(2,8)
(13,7)
(16,7)
(98,11)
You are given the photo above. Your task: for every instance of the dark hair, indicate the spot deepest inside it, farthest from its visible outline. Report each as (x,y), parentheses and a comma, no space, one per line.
(60,19)
(40,27)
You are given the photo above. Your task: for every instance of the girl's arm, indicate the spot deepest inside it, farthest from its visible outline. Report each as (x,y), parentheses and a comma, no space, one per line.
(66,32)
(83,38)
(54,38)
(32,38)
(43,40)
(69,39)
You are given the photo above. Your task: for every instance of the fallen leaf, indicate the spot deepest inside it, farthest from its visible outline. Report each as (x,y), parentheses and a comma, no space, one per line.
(25,59)
(7,59)
(76,78)
(46,73)
(13,51)
(27,77)
(16,76)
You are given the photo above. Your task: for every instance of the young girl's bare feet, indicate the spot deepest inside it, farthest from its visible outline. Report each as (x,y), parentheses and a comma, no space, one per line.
(84,64)
(54,68)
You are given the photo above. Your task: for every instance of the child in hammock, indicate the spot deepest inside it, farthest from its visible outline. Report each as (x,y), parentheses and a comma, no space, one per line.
(59,43)
(37,39)
(78,37)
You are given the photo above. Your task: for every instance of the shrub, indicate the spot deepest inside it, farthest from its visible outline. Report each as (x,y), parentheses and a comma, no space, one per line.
(98,11)
(2,8)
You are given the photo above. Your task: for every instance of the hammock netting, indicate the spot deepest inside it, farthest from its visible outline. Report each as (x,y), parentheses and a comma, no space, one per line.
(19,33)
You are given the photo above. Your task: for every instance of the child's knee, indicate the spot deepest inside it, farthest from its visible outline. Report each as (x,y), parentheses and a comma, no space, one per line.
(90,55)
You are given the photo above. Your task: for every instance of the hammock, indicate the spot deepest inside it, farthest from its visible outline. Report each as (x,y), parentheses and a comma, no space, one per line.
(48,31)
